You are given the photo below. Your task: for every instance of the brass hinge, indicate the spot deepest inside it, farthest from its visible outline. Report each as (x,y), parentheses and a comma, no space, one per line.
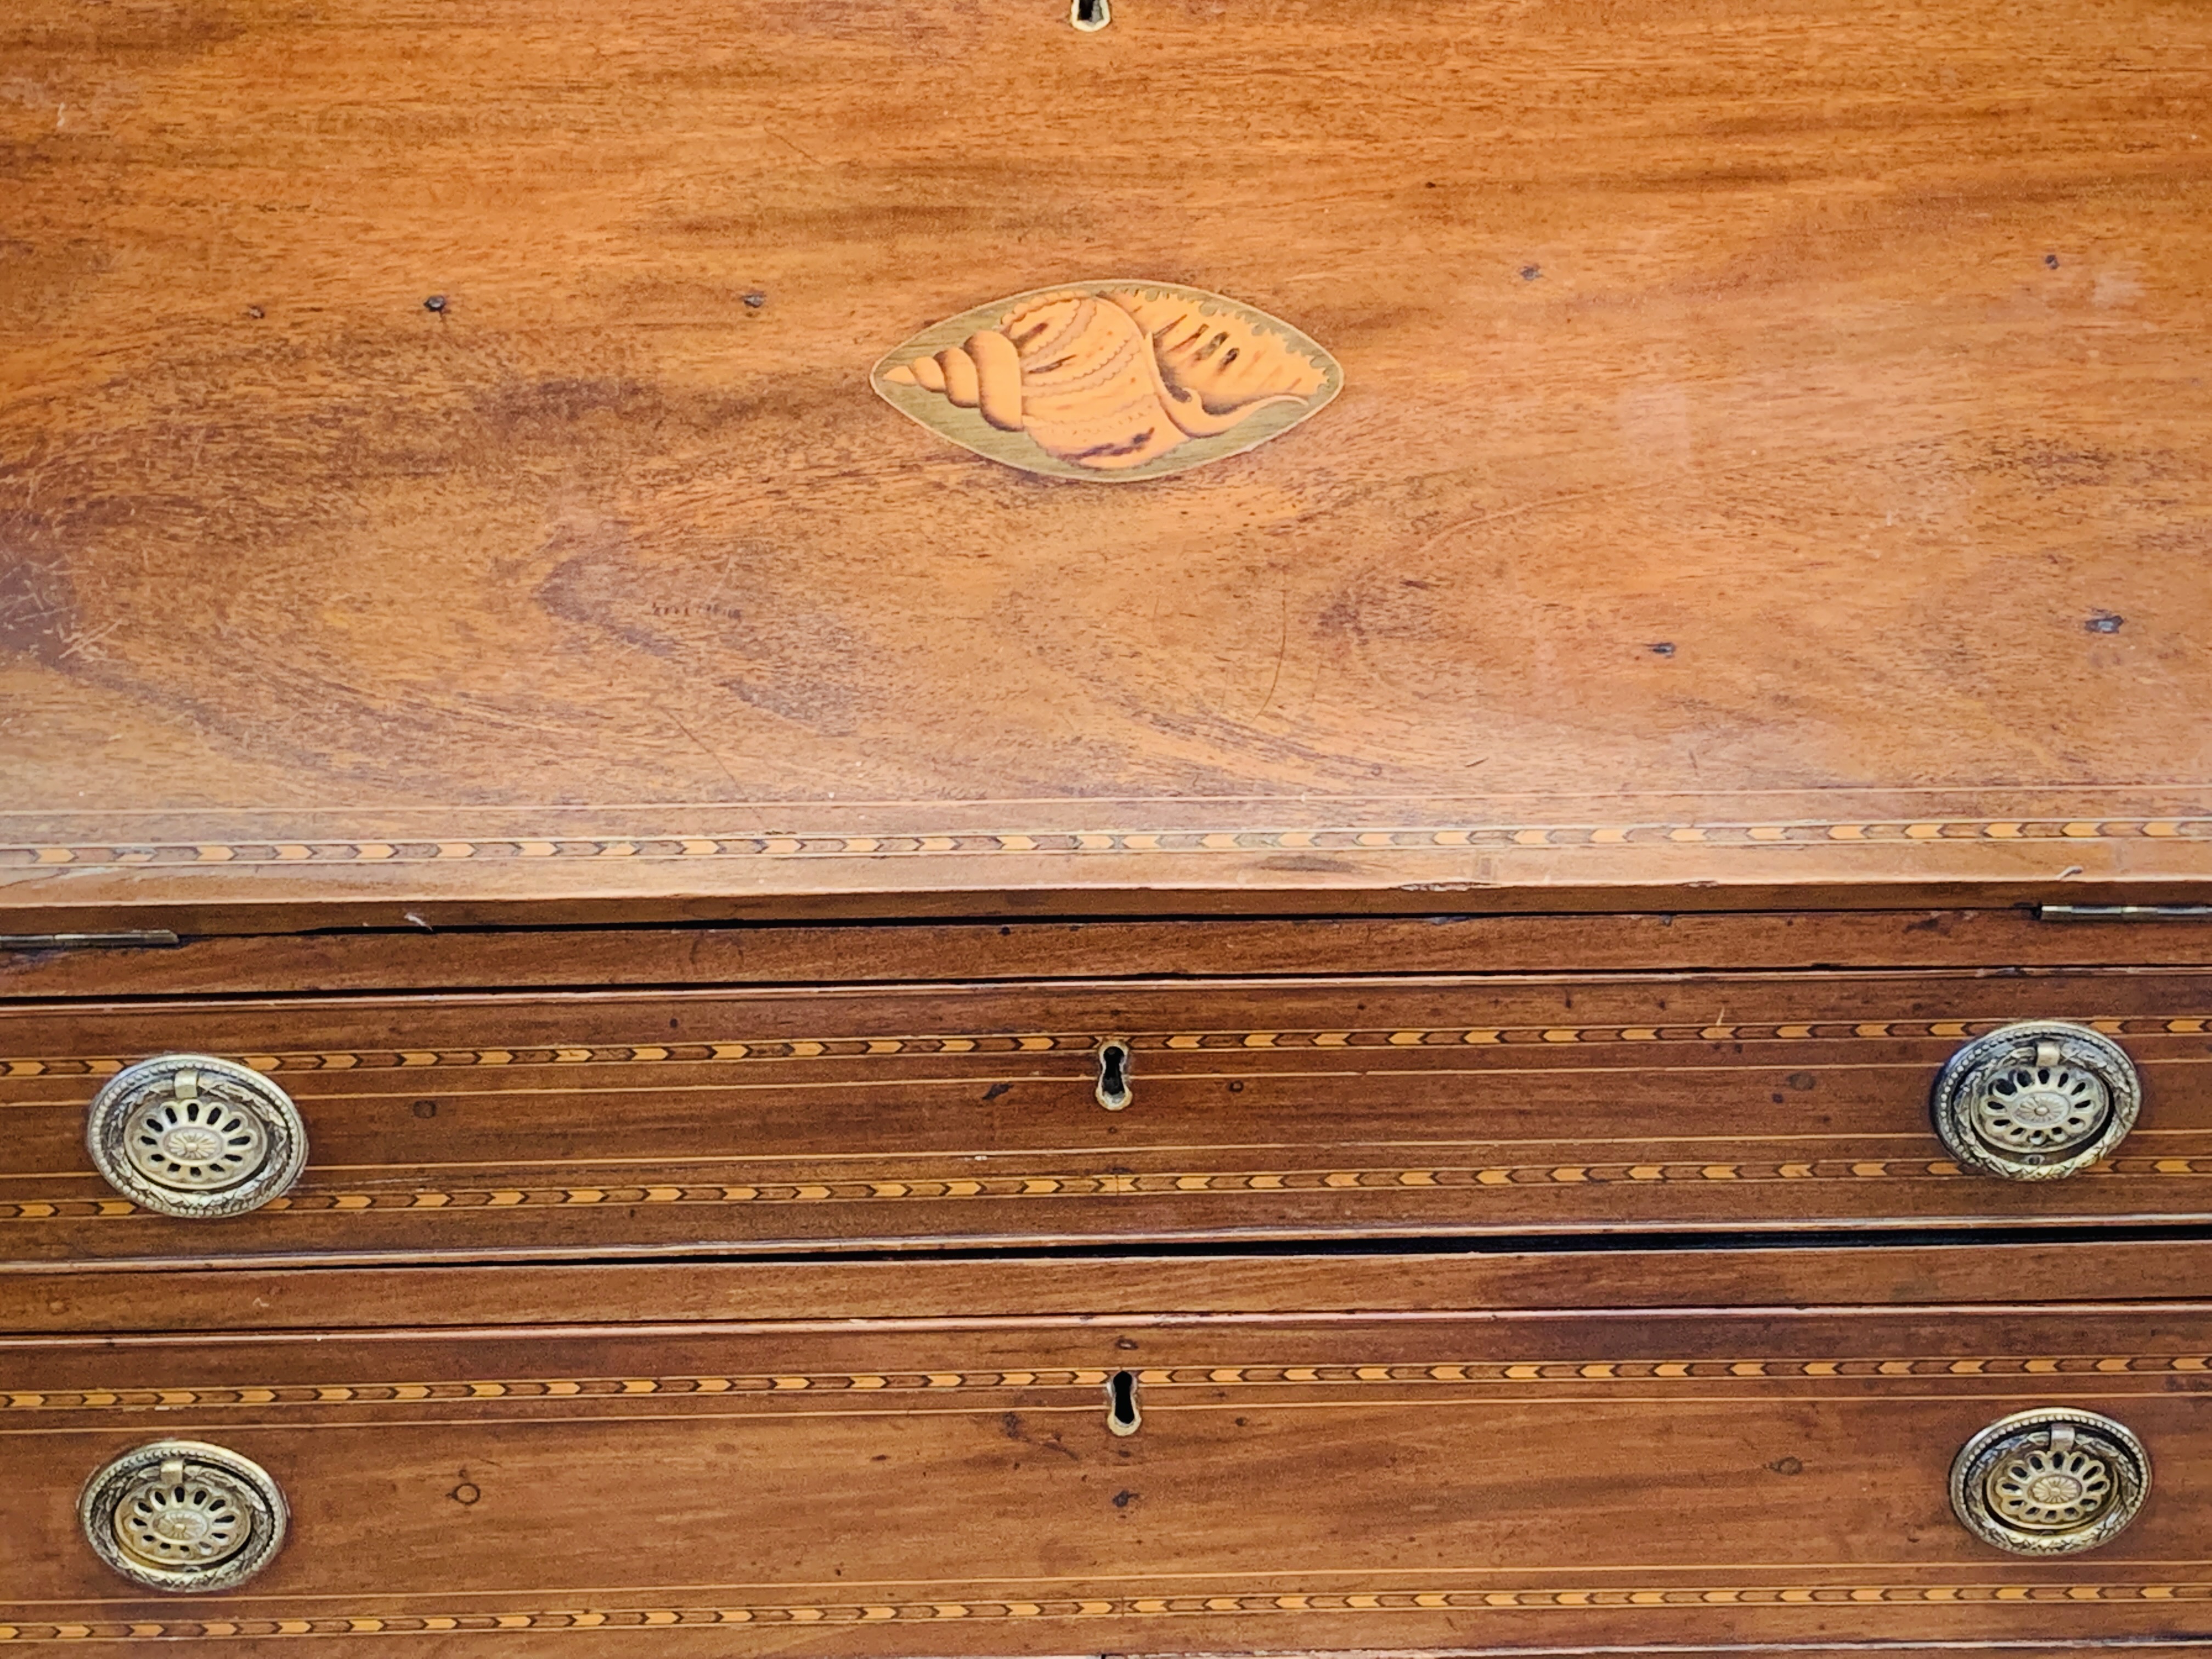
(145,938)
(2123,911)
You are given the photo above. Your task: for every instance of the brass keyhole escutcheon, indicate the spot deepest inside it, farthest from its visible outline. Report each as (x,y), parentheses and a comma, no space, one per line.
(184,1516)
(1123,1415)
(1115,1090)
(194,1136)
(2036,1102)
(2054,1481)
(1090,15)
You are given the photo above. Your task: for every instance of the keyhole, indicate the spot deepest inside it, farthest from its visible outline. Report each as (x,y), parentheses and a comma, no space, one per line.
(1121,1414)
(1113,1074)
(1090,15)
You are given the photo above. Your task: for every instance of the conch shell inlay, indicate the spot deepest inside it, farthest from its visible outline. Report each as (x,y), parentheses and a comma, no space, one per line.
(1112,379)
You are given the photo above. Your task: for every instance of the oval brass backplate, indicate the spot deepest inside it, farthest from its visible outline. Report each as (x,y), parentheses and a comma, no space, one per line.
(2053,1481)
(193,1136)
(184,1516)
(2037,1101)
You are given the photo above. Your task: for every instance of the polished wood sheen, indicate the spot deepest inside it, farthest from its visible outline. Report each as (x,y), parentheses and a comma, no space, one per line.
(43,1310)
(439,474)
(860,1118)
(672,617)
(789,953)
(1379,1480)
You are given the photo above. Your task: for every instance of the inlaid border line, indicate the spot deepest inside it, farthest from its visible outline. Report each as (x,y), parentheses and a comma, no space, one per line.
(914,1610)
(1328,1375)
(953,843)
(1110,1184)
(754,1051)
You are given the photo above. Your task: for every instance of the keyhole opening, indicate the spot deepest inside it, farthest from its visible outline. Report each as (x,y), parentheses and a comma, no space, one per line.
(1090,15)
(1113,1088)
(1122,1416)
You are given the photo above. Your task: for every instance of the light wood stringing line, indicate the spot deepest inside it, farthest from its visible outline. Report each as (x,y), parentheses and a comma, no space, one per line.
(1089,1377)
(1063,842)
(922,1611)
(467,1200)
(878,1047)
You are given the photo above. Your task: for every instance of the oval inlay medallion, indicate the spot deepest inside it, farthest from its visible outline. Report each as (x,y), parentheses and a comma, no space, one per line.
(1114,379)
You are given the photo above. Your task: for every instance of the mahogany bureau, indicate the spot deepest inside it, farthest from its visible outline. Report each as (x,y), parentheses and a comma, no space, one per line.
(883,827)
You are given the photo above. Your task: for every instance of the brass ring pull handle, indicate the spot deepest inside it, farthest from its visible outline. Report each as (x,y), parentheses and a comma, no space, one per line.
(2036,1102)
(181,1515)
(191,1136)
(2050,1482)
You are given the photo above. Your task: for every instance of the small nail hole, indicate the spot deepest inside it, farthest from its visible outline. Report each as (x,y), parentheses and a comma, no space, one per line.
(1113,1090)
(1122,1416)
(1090,15)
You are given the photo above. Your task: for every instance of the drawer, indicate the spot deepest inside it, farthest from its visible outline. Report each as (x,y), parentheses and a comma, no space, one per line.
(1172,1476)
(488,1125)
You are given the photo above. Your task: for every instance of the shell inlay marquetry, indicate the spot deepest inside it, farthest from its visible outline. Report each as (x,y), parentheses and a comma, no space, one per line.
(1112,379)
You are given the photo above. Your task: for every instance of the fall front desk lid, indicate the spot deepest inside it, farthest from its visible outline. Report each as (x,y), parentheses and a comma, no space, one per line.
(1193,466)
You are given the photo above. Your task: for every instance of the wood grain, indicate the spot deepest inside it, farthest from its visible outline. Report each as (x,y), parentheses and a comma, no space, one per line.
(58,1308)
(578,958)
(697,1121)
(1771,470)
(440,486)
(1384,1482)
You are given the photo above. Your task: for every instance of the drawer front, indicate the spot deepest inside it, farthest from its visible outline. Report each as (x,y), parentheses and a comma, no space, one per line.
(744,1121)
(957,1485)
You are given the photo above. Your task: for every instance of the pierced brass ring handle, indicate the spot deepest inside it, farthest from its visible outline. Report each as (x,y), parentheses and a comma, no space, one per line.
(2050,1482)
(2036,1102)
(181,1515)
(191,1136)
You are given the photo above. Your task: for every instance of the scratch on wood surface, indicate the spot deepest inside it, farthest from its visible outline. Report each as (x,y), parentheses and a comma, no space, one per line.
(1282,650)
(81,641)
(673,719)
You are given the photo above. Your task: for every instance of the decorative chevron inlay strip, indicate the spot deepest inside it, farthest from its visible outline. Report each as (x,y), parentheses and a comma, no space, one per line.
(1386,1038)
(1109,1185)
(1082,843)
(1500,1372)
(933,1611)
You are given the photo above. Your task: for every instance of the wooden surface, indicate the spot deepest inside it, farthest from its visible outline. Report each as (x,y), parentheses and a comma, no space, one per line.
(1771,470)
(441,485)
(688,1121)
(1364,1482)
(582,958)
(207,1307)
